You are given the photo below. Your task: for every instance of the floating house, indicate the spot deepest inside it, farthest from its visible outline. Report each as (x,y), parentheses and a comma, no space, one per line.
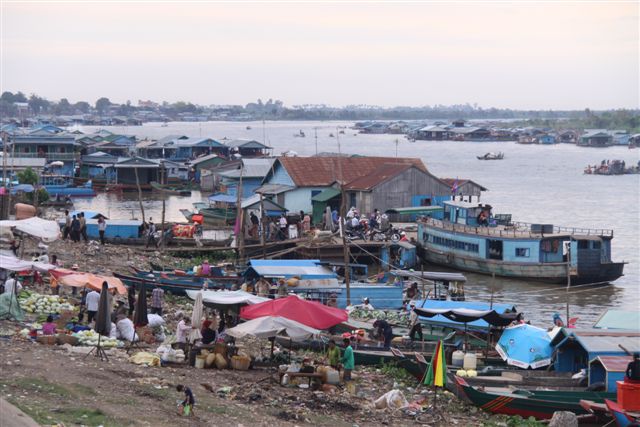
(51,147)
(608,370)
(568,137)
(596,138)
(546,139)
(246,148)
(433,133)
(576,348)
(307,177)
(471,133)
(252,171)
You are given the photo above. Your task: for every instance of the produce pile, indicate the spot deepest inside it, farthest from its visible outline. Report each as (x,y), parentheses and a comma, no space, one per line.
(90,338)
(32,302)
(391,316)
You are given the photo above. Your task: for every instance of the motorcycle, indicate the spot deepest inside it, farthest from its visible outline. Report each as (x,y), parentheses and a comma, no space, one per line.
(391,233)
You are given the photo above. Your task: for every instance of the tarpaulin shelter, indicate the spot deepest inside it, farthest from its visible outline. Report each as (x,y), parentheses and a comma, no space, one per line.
(75,279)
(310,313)
(46,230)
(15,264)
(270,326)
(466,315)
(225,298)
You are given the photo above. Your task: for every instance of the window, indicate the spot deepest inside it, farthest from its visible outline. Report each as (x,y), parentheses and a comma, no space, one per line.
(583,244)
(314,193)
(425,202)
(596,244)
(522,252)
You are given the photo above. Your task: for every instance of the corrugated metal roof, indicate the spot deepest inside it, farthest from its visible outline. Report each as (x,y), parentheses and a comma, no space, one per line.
(378,176)
(601,344)
(308,269)
(252,168)
(613,363)
(619,319)
(326,195)
(273,189)
(323,171)
(244,143)
(203,159)
(255,200)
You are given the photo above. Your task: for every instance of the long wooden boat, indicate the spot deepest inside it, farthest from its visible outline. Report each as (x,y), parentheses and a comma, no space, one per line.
(183,277)
(622,417)
(463,240)
(169,189)
(530,403)
(173,286)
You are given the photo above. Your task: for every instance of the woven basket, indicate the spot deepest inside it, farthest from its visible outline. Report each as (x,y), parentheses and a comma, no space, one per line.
(240,363)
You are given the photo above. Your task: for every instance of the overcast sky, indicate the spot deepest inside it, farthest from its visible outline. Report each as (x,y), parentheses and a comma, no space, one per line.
(558,55)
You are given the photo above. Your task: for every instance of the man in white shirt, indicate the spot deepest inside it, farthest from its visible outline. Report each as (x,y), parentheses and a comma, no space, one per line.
(182,331)
(12,285)
(366,305)
(93,299)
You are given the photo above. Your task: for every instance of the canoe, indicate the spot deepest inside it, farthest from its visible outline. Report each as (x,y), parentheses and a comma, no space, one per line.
(622,417)
(173,286)
(538,404)
(168,189)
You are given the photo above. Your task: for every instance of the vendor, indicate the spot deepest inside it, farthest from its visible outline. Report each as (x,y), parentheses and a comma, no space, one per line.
(385,331)
(206,268)
(333,300)
(366,304)
(209,332)
(333,354)
(414,323)
(263,287)
(182,330)
(347,360)
(412,291)
(49,328)
(282,289)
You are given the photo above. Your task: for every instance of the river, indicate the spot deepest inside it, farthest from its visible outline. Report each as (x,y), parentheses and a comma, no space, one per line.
(534,183)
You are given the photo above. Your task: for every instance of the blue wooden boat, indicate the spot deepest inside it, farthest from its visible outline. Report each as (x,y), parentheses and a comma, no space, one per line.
(621,417)
(471,238)
(60,185)
(213,281)
(174,286)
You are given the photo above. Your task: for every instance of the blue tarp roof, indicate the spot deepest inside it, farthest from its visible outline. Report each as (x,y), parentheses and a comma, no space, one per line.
(598,341)
(223,198)
(619,319)
(304,269)
(499,308)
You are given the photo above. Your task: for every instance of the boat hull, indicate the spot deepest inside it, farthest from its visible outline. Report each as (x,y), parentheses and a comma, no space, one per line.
(555,273)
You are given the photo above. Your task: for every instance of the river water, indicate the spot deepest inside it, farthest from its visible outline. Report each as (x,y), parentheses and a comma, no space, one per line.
(534,183)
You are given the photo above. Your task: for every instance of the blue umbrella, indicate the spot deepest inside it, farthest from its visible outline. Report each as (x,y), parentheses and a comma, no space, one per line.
(525,346)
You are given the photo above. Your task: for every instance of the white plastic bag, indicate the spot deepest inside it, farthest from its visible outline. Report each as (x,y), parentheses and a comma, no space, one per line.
(393,399)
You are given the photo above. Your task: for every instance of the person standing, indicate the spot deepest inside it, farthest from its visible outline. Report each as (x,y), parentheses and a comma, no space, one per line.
(102,227)
(385,331)
(151,237)
(283,227)
(414,323)
(253,232)
(157,299)
(273,230)
(306,224)
(75,229)
(262,287)
(282,288)
(93,299)
(12,285)
(347,360)
(67,225)
(333,354)
(182,331)
(83,227)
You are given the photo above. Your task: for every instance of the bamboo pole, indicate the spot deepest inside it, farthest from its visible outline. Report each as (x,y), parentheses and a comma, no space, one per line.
(135,169)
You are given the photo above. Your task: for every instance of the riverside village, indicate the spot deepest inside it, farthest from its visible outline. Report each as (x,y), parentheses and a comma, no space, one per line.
(195,264)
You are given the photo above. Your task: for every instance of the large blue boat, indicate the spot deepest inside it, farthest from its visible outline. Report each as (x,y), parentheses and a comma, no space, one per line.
(471,238)
(60,185)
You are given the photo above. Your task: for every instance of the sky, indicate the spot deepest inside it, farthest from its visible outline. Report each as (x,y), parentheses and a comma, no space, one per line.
(522,55)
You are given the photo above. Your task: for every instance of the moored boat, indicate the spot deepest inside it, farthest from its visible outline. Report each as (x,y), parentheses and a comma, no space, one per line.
(530,403)
(471,238)
(492,156)
(169,189)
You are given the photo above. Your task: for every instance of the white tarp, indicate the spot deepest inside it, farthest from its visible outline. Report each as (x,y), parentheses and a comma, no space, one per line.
(14,264)
(46,230)
(227,297)
(270,326)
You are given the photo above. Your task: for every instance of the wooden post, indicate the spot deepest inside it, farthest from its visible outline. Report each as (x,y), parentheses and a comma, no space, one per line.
(239,217)
(343,215)
(262,227)
(568,278)
(135,170)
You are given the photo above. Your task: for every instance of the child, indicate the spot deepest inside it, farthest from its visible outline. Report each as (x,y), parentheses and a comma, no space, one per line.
(49,328)
(186,407)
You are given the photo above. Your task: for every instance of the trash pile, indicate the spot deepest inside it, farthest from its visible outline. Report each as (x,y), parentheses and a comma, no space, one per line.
(36,303)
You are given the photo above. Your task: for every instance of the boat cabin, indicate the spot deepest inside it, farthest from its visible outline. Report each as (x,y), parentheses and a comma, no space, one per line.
(398,255)
(434,285)
(466,213)
(608,370)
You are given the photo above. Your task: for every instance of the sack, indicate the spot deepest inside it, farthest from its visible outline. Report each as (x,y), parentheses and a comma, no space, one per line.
(221,362)
(211,358)
(393,399)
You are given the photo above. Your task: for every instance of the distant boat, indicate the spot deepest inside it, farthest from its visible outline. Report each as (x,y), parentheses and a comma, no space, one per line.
(175,190)
(491,156)
(164,125)
(61,185)
(300,134)
(331,135)
(248,128)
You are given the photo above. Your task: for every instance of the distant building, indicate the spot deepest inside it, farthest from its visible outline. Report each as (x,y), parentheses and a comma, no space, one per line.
(596,138)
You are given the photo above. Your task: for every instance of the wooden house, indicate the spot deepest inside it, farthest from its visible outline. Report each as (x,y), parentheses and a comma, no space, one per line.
(596,138)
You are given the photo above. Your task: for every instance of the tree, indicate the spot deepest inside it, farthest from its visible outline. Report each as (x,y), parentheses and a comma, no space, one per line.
(82,106)
(102,104)
(28,176)
(62,107)
(37,104)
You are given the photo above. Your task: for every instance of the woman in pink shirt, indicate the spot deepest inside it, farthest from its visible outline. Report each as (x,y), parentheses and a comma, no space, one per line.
(49,328)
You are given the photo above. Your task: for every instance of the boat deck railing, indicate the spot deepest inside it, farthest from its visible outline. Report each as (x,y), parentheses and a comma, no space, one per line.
(515,230)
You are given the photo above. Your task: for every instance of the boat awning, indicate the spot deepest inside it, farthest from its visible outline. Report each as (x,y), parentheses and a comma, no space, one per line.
(225,198)
(619,319)
(253,202)
(273,189)
(416,210)
(303,269)
(465,315)
(326,195)
(439,318)
(430,275)
(227,297)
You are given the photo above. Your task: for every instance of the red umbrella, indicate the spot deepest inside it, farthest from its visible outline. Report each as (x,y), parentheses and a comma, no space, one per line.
(308,313)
